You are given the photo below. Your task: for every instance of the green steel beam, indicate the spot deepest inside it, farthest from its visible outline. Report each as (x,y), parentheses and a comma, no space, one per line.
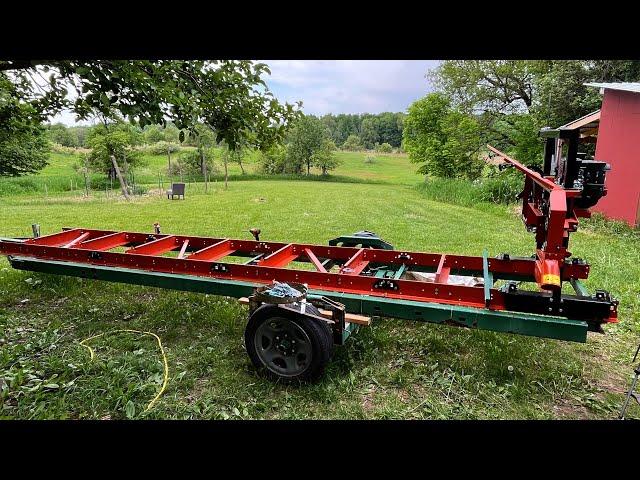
(400,271)
(482,318)
(579,287)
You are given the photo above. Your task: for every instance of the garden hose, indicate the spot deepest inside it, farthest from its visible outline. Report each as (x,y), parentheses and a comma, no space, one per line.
(164,358)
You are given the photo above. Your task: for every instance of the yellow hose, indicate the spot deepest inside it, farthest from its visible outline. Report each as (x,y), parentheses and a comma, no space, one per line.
(164,358)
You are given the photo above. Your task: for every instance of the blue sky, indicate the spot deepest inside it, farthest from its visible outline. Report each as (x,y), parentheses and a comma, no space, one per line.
(342,86)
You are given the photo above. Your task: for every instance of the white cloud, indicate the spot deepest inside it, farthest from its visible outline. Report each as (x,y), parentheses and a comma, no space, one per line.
(350,86)
(342,86)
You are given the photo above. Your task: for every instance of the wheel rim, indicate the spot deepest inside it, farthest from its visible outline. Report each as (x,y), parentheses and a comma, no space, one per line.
(283,346)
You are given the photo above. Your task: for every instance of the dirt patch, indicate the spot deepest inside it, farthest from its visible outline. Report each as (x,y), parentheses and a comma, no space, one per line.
(368,399)
(566,409)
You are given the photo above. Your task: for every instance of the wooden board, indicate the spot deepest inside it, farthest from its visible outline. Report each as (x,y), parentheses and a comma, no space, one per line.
(348,317)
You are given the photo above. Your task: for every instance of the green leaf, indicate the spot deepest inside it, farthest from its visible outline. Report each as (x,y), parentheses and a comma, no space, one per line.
(130,409)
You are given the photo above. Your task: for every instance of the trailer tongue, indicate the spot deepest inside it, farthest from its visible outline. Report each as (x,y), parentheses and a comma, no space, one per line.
(357,276)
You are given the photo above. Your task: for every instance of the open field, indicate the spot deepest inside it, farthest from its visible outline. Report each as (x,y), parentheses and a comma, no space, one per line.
(62,175)
(396,369)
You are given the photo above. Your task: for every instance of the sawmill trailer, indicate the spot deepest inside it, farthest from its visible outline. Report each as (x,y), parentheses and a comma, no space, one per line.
(343,285)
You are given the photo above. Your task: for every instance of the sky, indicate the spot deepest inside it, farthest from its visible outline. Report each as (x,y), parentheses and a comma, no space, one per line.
(341,86)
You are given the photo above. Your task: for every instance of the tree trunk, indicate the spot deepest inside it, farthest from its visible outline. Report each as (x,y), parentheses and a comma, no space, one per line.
(241,167)
(206,180)
(308,168)
(123,184)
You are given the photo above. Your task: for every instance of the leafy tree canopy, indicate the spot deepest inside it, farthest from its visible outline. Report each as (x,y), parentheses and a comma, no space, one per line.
(24,147)
(229,96)
(444,141)
(118,139)
(513,99)
(304,140)
(352,142)
(324,158)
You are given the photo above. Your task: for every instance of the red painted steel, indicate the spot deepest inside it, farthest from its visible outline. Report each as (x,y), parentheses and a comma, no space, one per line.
(146,251)
(356,264)
(144,255)
(105,242)
(280,258)
(155,247)
(553,229)
(317,263)
(618,145)
(213,252)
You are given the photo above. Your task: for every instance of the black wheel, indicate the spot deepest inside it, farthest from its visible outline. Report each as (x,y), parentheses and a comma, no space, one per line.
(286,345)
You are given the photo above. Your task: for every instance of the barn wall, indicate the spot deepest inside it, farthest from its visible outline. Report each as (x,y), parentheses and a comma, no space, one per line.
(619,145)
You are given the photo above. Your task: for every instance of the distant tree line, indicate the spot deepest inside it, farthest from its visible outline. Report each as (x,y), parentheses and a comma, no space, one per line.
(369,129)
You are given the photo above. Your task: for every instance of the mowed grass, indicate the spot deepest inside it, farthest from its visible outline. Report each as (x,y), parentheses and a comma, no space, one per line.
(395,369)
(62,174)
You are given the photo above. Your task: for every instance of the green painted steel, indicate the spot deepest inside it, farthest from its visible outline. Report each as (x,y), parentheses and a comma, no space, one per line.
(365,242)
(400,271)
(349,329)
(500,321)
(579,287)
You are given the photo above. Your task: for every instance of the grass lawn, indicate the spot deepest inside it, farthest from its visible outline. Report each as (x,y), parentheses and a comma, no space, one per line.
(395,369)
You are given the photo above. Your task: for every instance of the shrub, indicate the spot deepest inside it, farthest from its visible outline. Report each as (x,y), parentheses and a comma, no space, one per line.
(57,148)
(370,159)
(274,161)
(352,143)
(189,163)
(163,148)
(384,148)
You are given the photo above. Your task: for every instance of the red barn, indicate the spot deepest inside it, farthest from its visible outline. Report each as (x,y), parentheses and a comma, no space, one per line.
(619,145)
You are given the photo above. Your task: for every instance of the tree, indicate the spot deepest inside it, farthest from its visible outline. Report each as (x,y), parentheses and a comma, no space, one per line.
(548,92)
(172,133)
(352,143)
(190,162)
(324,158)
(389,126)
(229,96)
(24,147)
(153,134)
(369,132)
(112,141)
(490,85)
(229,156)
(274,160)
(443,140)
(165,148)
(561,95)
(305,139)
(59,133)
(80,133)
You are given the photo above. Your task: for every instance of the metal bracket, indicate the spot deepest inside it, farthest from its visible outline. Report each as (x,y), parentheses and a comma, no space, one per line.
(219,268)
(386,284)
(95,256)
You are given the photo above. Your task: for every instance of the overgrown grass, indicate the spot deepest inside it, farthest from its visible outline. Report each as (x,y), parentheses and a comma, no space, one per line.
(396,369)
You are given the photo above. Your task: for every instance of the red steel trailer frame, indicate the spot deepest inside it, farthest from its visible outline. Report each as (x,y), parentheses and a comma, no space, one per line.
(366,280)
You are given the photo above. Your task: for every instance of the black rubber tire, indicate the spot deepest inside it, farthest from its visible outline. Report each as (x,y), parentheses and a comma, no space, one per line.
(319,333)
